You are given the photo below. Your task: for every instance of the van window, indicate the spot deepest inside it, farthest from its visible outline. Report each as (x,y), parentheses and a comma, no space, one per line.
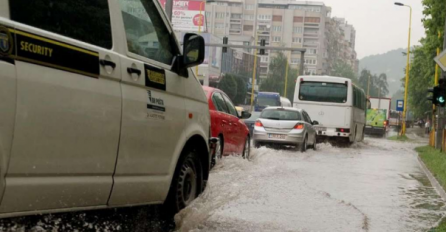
(84,20)
(147,35)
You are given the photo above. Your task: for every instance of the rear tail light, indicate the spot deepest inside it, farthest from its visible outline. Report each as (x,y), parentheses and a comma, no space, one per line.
(299,126)
(343,130)
(259,123)
(385,123)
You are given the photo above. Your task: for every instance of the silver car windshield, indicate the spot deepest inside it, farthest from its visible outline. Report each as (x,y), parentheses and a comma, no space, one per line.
(281,114)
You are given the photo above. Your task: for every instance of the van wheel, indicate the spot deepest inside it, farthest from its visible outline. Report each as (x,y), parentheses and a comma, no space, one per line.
(186,182)
(247,148)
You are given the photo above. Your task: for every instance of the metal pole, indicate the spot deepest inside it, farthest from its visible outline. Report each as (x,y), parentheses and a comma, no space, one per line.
(286,74)
(199,32)
(368,85)
(169,9)
(403,131)
(254,75)
(433,123)
(302,60)
(440,110)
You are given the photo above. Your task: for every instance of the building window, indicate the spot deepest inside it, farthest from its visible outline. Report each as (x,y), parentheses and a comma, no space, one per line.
(312,51)
(297,19)
(248,27)
(264,59)
(249,17)
(310,61)
(312,20)
(221,3)
(219,15)
(249,7)
(236,26)
(277,28)
(236,16)
(264,17)
(297,40)
(219,25)
(298,30)
(277,38)
(277,18)
(208,15)
(295,60)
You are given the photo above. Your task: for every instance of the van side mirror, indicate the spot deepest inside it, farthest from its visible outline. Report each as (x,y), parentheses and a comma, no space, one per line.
(315,123)
(245,115)
(193,50)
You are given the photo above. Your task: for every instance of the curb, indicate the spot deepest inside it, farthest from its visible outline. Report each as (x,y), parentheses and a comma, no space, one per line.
(432,179)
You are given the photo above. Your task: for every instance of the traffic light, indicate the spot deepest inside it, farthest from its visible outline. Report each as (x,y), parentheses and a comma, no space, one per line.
(433,98)
(438,97)
(262,43)
(441,96)
(225,41)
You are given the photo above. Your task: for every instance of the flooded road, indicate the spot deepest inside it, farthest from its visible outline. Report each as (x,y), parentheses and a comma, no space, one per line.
(377,185)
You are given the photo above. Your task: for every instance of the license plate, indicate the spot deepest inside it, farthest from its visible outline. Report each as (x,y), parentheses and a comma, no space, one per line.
(318,128)
(275,136)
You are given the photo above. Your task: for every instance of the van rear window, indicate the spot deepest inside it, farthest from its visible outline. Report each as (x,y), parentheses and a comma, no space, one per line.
(84,20)
(323,92)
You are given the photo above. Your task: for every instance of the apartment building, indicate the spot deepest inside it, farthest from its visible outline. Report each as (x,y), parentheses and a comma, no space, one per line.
(299,24)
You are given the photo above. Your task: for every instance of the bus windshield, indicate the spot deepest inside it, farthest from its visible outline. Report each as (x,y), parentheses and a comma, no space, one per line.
(323,92)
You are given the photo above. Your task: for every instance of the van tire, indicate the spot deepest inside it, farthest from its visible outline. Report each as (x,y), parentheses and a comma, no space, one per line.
(186,184)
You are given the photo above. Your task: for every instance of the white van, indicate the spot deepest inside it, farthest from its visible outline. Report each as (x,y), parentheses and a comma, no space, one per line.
(336,103)
(284,102)
(99,108)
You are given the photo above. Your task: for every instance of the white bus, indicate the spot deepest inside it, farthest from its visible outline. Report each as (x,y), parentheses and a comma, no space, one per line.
(336,103)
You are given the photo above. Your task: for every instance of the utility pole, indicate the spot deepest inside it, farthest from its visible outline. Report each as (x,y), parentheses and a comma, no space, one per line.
(440,110)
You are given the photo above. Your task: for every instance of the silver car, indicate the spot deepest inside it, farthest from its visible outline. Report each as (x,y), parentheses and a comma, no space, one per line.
(285,126)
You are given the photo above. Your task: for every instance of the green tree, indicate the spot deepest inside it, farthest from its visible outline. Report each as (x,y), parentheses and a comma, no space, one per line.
(275,82)
(241,90)
(229,85)
(342,69)
(376,85)
(422,69)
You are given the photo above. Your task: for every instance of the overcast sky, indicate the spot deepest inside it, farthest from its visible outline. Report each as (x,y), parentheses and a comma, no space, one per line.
(380,25)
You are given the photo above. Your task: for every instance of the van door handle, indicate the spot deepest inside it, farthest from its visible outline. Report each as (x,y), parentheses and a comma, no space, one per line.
(134,70)
(107,63)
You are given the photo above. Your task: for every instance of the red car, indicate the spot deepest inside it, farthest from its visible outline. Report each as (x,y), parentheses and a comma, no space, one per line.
(226,125)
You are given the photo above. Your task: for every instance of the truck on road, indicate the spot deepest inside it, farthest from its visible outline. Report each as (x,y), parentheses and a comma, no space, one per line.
(378,115)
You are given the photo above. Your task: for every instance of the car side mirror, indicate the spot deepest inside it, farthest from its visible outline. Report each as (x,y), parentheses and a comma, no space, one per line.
(193,50)
(245,115)
(315,123)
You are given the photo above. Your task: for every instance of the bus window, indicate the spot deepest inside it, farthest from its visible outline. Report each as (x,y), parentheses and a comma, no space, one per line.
(332,92)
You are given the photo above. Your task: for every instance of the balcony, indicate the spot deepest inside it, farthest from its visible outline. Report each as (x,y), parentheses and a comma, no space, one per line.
(235,31)
(311,34)
(237,21)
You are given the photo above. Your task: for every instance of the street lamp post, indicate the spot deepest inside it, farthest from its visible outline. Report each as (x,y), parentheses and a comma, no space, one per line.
(403,130)
(199,29)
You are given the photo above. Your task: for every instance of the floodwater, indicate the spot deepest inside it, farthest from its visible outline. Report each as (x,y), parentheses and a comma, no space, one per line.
(377,185)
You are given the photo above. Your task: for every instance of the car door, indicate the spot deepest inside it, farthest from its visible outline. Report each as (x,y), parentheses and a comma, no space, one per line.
(154,114)
(224,120)
(309,126)
(234,123)
(68,106)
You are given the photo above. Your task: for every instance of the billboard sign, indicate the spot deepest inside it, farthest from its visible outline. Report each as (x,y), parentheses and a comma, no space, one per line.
(186,15)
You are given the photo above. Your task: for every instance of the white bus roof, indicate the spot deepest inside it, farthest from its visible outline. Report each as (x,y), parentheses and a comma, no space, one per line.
(325,78)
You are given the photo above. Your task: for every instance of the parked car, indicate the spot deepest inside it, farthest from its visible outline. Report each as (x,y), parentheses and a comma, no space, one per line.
(227,126)
(89,119)
(285,126)
(251,121)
